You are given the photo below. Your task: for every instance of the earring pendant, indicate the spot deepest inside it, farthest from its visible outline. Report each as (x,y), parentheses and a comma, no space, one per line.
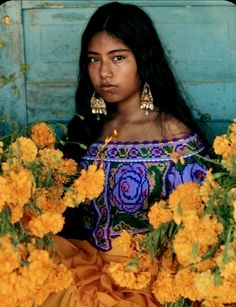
(98,105)
(146,102)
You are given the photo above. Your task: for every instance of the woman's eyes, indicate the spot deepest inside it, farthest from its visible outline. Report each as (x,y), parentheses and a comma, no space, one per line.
(92,60)
(116,58)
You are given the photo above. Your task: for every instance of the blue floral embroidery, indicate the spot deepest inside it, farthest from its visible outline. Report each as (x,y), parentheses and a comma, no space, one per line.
(136,175)
(130,187)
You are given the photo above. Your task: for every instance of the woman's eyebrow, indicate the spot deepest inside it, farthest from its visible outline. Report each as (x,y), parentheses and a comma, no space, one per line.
(111,51)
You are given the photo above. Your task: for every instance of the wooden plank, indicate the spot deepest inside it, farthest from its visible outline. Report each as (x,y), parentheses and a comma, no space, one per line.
(11,58)
(28,4)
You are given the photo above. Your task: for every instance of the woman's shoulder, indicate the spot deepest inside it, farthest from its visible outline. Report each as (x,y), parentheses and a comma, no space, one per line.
(173,128)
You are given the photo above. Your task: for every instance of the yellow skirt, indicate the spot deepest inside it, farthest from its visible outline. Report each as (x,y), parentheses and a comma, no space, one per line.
(93,287)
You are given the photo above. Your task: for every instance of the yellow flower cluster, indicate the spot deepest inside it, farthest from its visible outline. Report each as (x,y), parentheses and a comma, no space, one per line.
(88,186)
(24,285)
(34,180)
(193,238)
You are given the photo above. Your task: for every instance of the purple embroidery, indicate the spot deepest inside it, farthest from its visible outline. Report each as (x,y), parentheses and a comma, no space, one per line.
(130,187)
(99,233)
(112,153)
(133,153)
(156,151)
(131,173)
(93,150)
(192,172)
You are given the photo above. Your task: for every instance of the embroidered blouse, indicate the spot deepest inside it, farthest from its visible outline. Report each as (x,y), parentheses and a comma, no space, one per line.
(137,175)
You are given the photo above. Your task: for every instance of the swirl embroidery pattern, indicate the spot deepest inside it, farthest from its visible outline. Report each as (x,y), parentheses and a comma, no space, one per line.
(130,187)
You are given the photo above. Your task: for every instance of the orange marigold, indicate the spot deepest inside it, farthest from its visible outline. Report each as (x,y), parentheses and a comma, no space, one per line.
(164,288)
(185,197)
(90,184)
(195,238)
(185,284)
(43,135)
(209,185)
(50,200)
(25,149)
(159,214)
(45,223)
(132,279)
(52,158)
(232,134)
(21,185)
(5,192)
(9,256)
(222,146)
(67,168)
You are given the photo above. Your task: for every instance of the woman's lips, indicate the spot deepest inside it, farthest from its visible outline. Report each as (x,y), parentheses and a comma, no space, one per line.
(108,87)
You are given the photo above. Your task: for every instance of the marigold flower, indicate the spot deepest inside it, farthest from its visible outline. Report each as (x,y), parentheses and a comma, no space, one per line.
(67,168)
(185,284)
(222,146)
(21,185)
(164,288)
(45,223)
(5,192)
(12,164)
(90,183)
(195,238)
(125,241)
(43,135)
(132,279)
(208,187)
(159,214)
(232,133)
(9,256)
(50,200)
(25,149)
(184,198)
(51,158)
(59,279)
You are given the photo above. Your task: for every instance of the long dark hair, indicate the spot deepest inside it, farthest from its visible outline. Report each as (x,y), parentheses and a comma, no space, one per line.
(135,28)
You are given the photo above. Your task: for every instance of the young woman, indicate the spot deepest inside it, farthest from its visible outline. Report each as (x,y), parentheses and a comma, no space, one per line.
(126,81)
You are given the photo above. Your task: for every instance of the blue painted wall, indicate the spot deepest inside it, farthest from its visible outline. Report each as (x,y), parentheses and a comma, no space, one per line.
(199,37)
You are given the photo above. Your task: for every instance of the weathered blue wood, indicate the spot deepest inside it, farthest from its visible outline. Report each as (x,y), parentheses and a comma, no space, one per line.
(199,37)
(11,57)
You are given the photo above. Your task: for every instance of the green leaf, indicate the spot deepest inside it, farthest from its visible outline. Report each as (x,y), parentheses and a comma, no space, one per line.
(179,210)
(216,277)
(195,249)
(83,146)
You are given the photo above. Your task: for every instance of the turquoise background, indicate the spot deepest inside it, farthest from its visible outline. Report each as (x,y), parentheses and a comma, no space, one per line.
(199,37)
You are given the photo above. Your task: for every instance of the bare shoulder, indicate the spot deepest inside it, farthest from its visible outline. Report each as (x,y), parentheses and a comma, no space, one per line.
(174,128)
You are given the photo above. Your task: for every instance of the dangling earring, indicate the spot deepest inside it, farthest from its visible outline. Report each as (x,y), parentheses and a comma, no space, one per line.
(146,102)
(98,105)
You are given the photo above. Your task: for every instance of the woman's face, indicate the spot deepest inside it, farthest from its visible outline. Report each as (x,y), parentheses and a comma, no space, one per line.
(112,69)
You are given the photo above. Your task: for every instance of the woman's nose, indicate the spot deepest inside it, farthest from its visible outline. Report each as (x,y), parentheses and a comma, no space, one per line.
(105,70)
